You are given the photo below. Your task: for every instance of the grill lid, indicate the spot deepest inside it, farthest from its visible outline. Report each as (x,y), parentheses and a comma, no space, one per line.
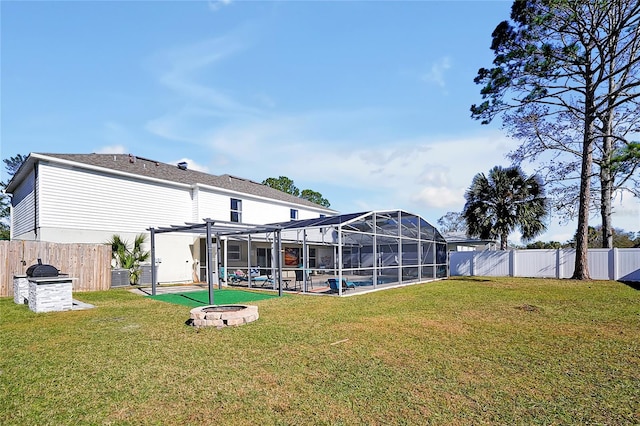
(41,270)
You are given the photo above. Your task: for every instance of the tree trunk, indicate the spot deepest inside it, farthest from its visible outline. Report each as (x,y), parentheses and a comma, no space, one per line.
(606,172)
(503,241)
(606,192)
(581,270)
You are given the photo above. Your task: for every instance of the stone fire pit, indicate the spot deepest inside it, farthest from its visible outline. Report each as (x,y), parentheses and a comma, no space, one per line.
(223,315)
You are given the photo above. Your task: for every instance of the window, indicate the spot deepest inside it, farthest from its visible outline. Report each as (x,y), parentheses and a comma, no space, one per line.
(312,257)
(236,210)
(234,252)
(264,257)
(294,214)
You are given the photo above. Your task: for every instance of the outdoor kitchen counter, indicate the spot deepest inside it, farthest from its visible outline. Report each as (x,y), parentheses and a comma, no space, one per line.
(47,294)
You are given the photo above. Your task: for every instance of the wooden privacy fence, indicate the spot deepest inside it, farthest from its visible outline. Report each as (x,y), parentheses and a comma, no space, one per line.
(604,264)
(88,264)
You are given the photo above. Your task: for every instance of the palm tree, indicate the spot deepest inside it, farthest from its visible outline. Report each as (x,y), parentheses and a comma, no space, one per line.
(129,258)
(505,200)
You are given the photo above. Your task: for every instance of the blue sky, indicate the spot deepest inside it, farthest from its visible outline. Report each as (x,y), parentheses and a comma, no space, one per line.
(366,102)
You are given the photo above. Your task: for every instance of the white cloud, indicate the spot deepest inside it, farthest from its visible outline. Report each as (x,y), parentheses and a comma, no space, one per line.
(420,172)
(438,197)
(215,5)
(181,69)
(112,149)
(437,72)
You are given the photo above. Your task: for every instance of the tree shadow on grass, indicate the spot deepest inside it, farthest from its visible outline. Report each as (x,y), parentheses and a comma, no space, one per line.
(471,279)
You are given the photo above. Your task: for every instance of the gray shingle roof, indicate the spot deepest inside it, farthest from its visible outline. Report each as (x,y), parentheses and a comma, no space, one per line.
(155,169)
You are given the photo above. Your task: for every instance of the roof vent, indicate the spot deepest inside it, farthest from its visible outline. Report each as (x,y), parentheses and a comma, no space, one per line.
(182,165)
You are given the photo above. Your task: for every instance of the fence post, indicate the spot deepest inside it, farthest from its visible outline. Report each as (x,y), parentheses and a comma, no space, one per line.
(558,274)
(613,264)
(472,266)
(512,263)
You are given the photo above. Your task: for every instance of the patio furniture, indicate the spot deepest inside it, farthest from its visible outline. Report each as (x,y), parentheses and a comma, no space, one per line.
(237,276)
(300,278)
(262,280)
(333,284)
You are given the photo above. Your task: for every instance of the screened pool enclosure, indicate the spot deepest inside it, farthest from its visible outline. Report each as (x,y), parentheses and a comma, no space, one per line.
(337,254)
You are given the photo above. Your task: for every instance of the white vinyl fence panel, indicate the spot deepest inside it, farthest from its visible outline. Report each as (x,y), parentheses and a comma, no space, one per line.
(494,264)
(604,264)
(542,263)
(599,264)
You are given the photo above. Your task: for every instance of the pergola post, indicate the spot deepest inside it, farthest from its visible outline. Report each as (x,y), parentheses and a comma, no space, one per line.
(278,242)
(153,261)
(218,261)
(419,250)
(399,262)
(249,278)
(340,259)
(225,260)
(375,252)
(209,264)
(305,260)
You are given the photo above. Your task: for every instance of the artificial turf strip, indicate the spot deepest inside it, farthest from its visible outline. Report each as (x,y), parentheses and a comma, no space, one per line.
(194,299)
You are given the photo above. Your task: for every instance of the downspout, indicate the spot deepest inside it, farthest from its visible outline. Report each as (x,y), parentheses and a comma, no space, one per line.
(35,200)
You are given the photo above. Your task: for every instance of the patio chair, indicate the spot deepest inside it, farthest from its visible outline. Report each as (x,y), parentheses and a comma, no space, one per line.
(333,284)
(263,280)
(237,276)
(300,278)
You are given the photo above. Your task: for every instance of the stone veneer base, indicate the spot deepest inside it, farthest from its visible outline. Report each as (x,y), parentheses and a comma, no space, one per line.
(50,294)
(201,318)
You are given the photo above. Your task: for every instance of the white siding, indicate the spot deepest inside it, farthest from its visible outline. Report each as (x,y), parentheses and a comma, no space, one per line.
(263,212)
(258,211)
(195,205)
(23,208)
(213,205)
(79,199)
(175,251)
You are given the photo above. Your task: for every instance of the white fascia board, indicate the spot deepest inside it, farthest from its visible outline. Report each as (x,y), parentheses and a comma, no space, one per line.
(258,197)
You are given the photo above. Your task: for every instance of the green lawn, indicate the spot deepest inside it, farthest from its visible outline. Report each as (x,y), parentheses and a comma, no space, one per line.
(461,352)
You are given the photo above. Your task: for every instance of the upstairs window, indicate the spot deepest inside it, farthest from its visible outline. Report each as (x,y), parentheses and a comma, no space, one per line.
(294,214)
(236,210)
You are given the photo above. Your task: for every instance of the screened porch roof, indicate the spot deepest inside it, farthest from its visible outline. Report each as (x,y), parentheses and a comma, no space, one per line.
(357,228)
